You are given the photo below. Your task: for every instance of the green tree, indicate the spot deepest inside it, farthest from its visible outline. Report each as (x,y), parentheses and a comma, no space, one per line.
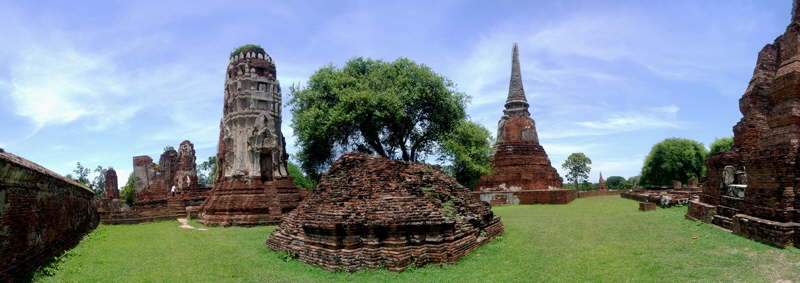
(467,149)
(617,183)
(634,181)
(399,110)
(129,190)
(721,145)
(99,182)
(674,159)
(207,172)
(300,179)
(82,175)
(577,166)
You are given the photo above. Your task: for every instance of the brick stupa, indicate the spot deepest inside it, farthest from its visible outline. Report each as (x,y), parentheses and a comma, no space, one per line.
(253,186)
(112,191)
(372,212)
(752,189)
(601,184)
(522,172)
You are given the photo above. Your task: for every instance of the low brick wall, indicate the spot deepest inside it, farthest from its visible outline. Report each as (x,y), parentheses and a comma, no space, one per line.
(527,197)
(41,215)
(587,194)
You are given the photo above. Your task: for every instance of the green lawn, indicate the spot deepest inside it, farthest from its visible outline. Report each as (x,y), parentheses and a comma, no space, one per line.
(592,239)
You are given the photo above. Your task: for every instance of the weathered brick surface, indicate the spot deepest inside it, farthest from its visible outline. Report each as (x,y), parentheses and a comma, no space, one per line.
(645,206)
(253,186)
(112,190)
(520,163)
(371,212)
(41,215)
(753,187)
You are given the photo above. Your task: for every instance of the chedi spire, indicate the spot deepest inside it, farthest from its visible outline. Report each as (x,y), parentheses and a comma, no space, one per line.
(516,103)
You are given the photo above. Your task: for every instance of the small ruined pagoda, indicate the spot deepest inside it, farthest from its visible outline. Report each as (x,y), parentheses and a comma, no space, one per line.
(253,186)
(601,184)
(752,188)
(522,173)
(371,212)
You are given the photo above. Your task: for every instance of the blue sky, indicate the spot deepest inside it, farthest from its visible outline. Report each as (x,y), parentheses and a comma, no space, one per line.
(101,81)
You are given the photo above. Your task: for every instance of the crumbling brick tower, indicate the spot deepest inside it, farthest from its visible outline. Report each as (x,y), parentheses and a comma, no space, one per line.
(751,189)
(253,186)
(112,191)
(520,162)
(186,174)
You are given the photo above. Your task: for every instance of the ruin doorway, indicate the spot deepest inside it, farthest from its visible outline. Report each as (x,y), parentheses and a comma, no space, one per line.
(265,160)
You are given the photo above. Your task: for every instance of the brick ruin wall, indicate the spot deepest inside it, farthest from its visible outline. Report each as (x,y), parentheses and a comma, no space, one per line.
(42,214)
(496,198)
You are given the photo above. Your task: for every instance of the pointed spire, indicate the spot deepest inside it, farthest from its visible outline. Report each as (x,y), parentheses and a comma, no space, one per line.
(516,102)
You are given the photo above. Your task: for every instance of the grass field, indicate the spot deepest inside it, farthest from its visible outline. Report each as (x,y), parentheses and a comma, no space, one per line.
(592,239)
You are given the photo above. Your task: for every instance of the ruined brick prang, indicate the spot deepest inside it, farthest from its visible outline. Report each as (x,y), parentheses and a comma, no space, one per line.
(41,215)
(520,162)
(112,191)
(601,184)
(253,186)
(186,173)
(372,212)
(155,199)
(752,188)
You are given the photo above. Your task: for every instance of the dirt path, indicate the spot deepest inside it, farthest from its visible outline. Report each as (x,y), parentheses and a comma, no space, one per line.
(185,225)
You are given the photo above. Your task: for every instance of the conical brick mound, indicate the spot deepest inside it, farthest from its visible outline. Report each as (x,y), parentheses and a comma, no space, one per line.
(372,212)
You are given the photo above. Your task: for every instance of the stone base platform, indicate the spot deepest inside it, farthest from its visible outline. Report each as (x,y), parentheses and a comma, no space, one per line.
(527,197)
(237,203)
(775,233)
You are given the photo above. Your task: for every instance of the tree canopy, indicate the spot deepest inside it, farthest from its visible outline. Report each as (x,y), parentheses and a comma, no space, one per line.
(300,180)
(128,192)
(207,172)
(399,110)
(721,145)
(577,166)
(674,159)
(468,149)
(617,183)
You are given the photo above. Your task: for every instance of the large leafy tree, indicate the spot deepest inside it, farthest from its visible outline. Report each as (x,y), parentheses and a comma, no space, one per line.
(674,159)
(617,183)
(577,166)
(721,145)
(468,149)
(399,110)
